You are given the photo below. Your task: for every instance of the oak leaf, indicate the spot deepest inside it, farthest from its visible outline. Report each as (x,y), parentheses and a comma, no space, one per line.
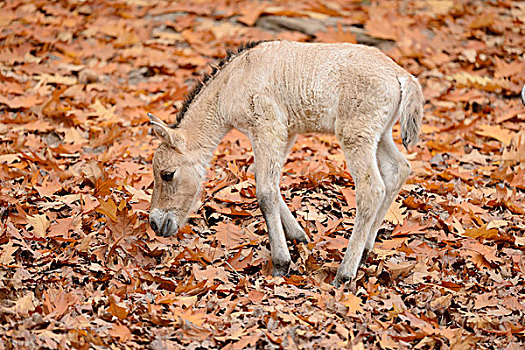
(40,224)
(496,132)
(25,304)
(395,214)
(482,232)
(354,304)
(120,331)
(229,234)
(7,256)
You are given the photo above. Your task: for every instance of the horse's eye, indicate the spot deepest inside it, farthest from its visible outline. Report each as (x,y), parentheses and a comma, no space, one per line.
(167,176)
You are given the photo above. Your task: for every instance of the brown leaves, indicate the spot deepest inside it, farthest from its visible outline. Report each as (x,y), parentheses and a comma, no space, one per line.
(81,268)
(25,304)
(56,302)
(250,12)
(19,102)
(353,303)
(336,35)
(229,235)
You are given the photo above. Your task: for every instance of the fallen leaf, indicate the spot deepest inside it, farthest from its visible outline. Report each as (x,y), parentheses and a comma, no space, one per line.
(496,132)
(120,331)
(40,224)
(108,208)
(118,310)
(25,304)
(395,214)
(354,304)
(251,11)
(7,256)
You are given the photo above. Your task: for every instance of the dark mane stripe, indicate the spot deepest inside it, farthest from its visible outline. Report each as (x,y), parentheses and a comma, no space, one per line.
(230,55)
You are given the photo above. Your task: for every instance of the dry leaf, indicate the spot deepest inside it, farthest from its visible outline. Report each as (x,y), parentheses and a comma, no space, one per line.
(496,132)
(120,331)
(7,254)
(354,304)
(395,214)
(40,224)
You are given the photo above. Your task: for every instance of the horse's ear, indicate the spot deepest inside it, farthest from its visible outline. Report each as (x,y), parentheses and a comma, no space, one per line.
(171,137)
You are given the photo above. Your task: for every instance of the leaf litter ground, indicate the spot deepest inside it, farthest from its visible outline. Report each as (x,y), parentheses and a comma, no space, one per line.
(79,266)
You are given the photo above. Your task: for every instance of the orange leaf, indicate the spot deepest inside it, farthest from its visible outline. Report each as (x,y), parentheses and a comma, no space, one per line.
(108,208)
(20,101)
(353,303)
(251,12)
(349,195)
(395,214)
(229,235)
(333,35)
(337,243)
(482,232)
(40,224)
(117,310)
(496,132)
(120,331)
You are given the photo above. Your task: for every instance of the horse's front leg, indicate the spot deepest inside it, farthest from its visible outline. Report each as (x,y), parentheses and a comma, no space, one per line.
(268,151)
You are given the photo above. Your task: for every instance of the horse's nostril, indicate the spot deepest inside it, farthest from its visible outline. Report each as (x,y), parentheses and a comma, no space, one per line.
(166,227)
(154,226)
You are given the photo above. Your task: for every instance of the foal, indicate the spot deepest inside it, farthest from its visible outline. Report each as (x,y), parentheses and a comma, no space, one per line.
(272,91)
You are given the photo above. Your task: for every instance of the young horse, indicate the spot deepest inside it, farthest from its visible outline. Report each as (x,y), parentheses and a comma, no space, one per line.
(272,91)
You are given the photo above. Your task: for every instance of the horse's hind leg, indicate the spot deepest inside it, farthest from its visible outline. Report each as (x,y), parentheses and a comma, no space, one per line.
(394,169)
(360,148)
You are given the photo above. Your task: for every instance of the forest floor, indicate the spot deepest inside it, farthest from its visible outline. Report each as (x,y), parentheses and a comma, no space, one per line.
(80,266)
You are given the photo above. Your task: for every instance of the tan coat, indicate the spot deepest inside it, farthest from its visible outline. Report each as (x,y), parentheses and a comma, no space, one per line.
(272,92)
